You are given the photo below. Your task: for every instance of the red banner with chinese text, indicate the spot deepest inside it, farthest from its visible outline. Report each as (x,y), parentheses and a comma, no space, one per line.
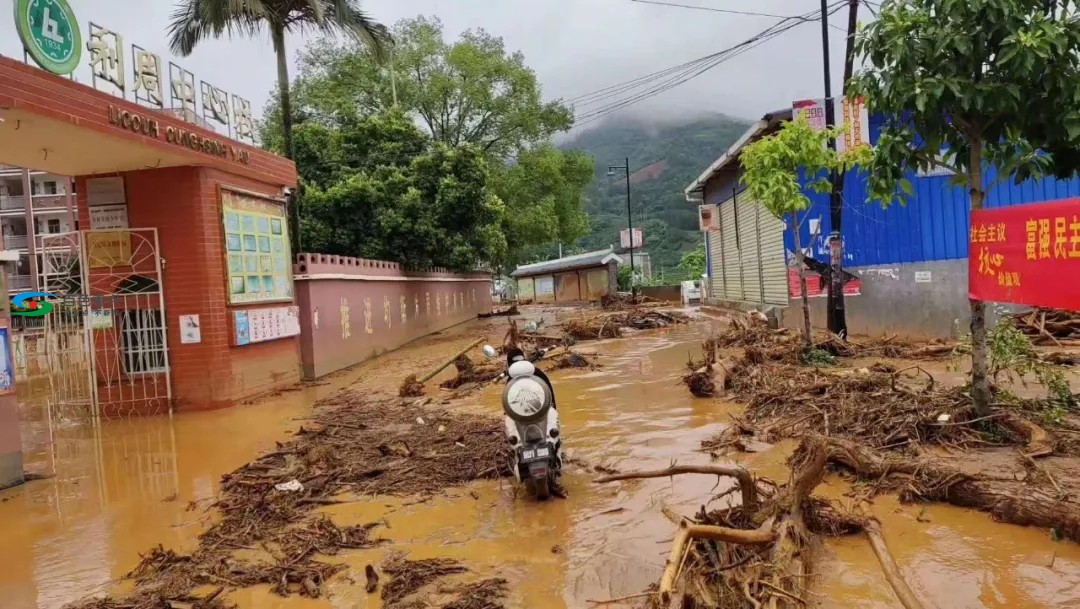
(1027,254)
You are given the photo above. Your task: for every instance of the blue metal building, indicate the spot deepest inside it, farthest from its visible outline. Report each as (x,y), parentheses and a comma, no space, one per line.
(911,259)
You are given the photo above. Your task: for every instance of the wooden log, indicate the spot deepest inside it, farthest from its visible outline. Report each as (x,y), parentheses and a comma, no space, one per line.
(427,377)
(689,532)
(742,475)
(889,567)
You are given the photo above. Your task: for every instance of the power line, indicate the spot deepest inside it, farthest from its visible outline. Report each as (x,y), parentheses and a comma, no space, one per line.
(667,79)
(728,11)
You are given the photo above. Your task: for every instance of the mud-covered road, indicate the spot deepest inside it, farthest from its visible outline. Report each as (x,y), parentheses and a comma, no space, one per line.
(126,486)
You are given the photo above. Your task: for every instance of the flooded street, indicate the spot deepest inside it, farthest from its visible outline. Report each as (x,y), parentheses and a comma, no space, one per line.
(126,486)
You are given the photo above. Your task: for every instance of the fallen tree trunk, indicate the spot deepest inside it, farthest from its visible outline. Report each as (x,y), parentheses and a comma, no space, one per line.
(743,476)
(890,568)
(928,479)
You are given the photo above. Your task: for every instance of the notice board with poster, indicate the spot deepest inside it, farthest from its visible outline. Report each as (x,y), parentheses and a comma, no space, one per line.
(109,243)
(256,249)
(261,325)
(1026,254)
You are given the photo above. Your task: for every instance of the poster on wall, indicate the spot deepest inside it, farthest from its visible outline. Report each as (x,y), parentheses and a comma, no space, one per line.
(856,122)
(108,249)
(261,325)
(1020,254)
(108,217)
(190,331)
(258,262)
(814,287)
(813,110)
(105,191)
(7,365)
(243,336)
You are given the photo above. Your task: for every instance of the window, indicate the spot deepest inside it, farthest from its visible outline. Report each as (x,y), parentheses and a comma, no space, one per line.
(49,188)
(256,248)
(143,341)
(52,226)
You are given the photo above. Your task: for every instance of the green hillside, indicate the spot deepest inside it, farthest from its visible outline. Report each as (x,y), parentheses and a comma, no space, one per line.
(664,158)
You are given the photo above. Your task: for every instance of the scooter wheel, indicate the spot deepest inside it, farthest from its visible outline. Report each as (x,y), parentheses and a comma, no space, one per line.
(542,489)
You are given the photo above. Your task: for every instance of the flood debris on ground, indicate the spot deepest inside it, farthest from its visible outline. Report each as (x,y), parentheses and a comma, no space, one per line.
(356,447)
(883,425)
(421,584)
(1050,326)
(412,386)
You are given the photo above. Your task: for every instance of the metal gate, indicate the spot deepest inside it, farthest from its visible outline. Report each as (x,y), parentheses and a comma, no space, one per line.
(103,350)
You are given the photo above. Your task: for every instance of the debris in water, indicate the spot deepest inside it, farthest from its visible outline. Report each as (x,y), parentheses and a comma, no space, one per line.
(358,446)
(291,486)
(408,576)
(1050,326)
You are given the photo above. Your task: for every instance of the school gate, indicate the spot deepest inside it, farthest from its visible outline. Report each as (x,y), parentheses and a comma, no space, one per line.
(182,244)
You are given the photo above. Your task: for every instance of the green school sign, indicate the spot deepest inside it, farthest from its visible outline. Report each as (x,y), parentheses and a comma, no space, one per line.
(50,34)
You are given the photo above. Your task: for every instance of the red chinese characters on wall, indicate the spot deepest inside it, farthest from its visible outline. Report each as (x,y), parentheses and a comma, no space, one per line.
(1027,254)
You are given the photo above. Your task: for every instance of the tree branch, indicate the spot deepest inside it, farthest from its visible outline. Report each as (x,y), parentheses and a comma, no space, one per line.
(745,479)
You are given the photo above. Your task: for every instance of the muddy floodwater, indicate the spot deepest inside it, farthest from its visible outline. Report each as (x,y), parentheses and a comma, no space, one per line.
(124,486)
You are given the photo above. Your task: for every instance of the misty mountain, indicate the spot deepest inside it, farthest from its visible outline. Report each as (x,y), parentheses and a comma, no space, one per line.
(664,158)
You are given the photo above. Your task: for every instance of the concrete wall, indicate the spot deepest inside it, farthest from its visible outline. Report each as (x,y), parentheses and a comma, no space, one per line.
(893,303)
(353,309)
(670,293)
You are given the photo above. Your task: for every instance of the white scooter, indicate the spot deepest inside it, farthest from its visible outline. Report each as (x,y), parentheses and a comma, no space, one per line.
(532,423)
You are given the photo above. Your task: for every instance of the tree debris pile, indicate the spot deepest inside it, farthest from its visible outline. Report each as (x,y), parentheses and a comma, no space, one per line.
(611,324)
(417,584)
(785,345)
(411,387)
(701,377)
(507,312)
(1039,499)
(753,554)
(1050,326)
(357,446)
(469,372)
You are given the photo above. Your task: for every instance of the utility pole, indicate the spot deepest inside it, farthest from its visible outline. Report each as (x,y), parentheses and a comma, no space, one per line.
(837,319)
(629,219)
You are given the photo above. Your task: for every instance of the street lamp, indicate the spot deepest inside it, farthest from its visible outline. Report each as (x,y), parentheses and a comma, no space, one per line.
(629,218)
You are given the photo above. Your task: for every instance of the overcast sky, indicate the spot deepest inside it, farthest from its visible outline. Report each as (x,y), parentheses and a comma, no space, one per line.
(575,46)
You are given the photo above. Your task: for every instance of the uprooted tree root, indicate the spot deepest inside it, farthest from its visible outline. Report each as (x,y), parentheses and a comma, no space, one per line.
(763,560)
(356,446)
(468,372)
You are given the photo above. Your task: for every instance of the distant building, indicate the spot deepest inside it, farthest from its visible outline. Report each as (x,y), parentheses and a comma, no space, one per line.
(584,277)
(33,232)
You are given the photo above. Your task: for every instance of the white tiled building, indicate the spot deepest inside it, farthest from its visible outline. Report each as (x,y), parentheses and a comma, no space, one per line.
(52,211)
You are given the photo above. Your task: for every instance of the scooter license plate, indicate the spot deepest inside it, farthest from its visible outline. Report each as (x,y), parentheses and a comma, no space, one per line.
(536,453)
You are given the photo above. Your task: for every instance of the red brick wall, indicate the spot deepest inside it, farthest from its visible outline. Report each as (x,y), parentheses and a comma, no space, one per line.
(184,204)
(353,309)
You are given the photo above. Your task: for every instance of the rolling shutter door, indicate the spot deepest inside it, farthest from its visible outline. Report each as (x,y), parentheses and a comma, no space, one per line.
(773,258)
(748,242)
(731,287)
(716,267)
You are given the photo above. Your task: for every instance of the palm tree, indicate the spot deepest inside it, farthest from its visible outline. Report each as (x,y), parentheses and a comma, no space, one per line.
(194,20)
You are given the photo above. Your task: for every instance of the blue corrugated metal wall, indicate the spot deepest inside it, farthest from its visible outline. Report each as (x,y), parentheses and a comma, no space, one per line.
(932,226)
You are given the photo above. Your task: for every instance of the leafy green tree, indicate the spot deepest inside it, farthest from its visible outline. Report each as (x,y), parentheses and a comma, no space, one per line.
(771,174)
(194,20)
(471,91)
(543,192)
(967,84)
(407,199)
(693,262)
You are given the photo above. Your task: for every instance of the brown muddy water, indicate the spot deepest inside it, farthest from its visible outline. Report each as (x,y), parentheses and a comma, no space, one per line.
(125,486)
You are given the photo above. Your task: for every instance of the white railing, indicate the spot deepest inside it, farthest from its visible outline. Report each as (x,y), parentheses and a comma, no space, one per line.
(41,202)
(19,282)
(16,242)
